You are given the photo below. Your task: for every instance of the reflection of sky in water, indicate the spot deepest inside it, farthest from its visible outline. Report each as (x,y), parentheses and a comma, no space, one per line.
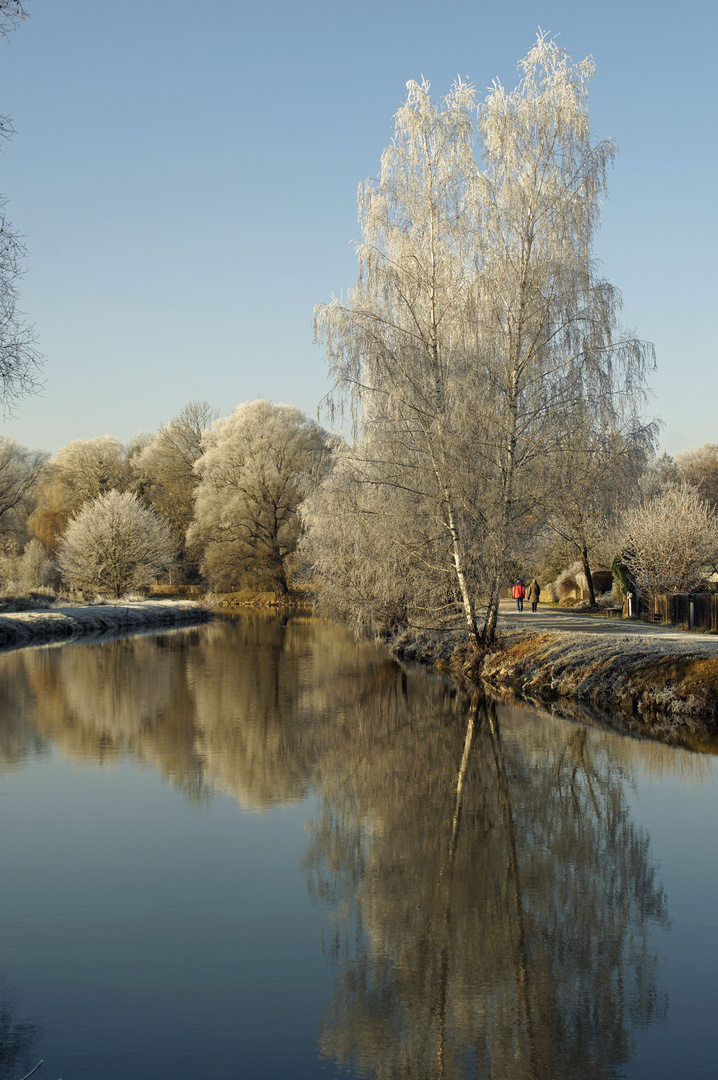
(151,926)
(164,938)
(680,815)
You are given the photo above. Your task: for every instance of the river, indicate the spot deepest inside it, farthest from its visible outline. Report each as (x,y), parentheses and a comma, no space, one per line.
(252,849)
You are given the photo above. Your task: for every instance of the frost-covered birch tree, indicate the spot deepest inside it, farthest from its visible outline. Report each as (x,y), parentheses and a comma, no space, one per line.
(115,543)
(548,324)
(256,467)
(397,348)
(479,324)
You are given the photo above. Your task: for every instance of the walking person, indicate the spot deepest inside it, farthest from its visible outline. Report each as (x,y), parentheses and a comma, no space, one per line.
(533,594)
(518,594)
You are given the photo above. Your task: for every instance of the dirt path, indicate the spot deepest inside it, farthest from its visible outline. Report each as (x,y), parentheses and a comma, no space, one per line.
(562,620)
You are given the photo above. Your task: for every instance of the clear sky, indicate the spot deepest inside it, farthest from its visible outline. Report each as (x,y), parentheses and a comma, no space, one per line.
(185,175)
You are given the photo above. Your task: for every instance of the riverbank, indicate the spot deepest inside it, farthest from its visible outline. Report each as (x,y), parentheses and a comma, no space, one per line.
(63,621)
(653,685)
(295,599)
(639,678)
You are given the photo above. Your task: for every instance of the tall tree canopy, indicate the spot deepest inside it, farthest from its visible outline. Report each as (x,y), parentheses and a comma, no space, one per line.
(19,471)
(256,468)
(165,474)
(479,335)
(79,473)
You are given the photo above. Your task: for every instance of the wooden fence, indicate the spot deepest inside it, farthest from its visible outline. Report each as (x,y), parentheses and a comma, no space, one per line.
(692,611)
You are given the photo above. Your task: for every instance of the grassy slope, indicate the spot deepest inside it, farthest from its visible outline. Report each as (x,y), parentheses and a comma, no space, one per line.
(654,684)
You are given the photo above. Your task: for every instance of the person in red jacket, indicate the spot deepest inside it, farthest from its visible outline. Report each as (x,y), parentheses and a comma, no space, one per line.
(518,593)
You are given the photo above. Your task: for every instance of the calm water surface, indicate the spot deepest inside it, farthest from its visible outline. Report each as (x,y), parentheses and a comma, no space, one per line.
(254,850)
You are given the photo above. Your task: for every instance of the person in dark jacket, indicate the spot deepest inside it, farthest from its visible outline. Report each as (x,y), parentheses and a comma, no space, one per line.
(518,592)
(533,594)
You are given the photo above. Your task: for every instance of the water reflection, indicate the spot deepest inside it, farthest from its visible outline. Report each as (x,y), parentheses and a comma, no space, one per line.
(17,1040)
(229,707)
(495,898)
(490,901)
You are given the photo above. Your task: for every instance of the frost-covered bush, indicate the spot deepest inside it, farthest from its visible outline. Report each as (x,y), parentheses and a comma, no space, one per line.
(571,582)
(356,547)
(608,599)
(671,542)
(26,571)
(115,544)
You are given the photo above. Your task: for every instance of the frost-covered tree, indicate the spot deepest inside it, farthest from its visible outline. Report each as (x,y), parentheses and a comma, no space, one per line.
(165,475)
(115,544)
(671,542)
(698,467)
(21,572)
(19,357)
(79,472)
(87,468)
(256,467)
(360,543)
(479,324)
(592,481)
(19,472)
(397,348)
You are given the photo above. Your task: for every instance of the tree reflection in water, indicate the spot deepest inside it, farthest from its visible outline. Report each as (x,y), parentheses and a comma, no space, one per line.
(492,900)
(495,899)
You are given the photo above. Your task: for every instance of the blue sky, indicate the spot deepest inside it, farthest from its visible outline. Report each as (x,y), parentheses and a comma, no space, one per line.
(186,176)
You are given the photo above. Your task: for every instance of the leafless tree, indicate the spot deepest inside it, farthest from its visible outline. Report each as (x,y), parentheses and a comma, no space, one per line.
(698,467)
(19,357)
(592,480)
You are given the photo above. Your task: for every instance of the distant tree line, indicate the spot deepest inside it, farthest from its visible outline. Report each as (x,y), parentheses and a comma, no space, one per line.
(202,500)
(267,499)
